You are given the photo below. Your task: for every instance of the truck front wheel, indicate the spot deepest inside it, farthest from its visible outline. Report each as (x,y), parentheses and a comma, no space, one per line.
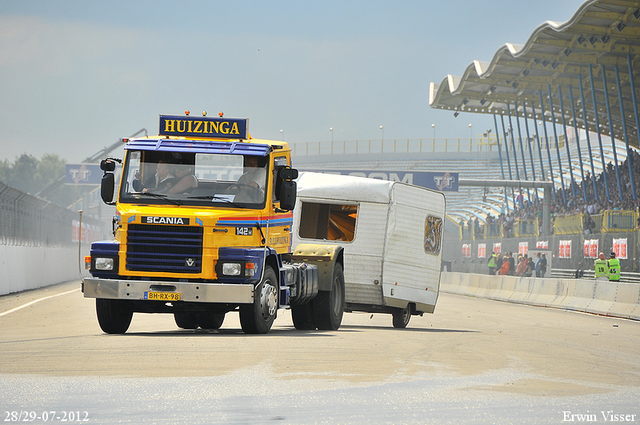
(328,306)
(258,317)
(114,316)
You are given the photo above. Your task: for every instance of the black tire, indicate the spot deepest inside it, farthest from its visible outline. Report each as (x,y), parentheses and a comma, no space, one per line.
(208,320)
(257,318)
(186,319)
(114,316)
(303,317)
(401,317)
(328,306)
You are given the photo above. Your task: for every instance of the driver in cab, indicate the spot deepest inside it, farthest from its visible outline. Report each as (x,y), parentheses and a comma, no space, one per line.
(250,186)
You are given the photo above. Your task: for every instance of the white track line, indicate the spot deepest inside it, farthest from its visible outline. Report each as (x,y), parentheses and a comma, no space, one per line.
(36,301)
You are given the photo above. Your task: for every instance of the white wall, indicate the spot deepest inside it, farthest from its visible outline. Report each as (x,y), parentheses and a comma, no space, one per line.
(28,267)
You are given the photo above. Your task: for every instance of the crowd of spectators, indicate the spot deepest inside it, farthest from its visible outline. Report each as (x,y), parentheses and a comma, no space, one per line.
(569,202)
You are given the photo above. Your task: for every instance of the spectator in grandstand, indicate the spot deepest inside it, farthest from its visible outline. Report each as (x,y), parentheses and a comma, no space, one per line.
(588,225)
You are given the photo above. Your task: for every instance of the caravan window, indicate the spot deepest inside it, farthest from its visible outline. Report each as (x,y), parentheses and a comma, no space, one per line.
(331,222)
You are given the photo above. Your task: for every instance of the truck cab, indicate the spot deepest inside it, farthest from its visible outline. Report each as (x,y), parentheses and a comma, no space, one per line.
(203,227)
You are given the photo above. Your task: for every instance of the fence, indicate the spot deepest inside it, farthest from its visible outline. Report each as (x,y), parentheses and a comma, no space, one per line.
(611,221)
(343,147)
(28,221)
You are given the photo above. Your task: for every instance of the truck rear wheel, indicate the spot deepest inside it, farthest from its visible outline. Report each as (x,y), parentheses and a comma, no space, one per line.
(114,316)
(210,320)
(401,317)
(303,317)
(258,317)
(328,306)
(186,320)
(203,319)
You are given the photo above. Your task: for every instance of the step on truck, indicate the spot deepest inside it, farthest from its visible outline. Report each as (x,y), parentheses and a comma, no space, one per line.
(209,221)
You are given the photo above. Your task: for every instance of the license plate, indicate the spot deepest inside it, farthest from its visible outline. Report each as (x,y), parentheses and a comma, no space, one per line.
(162,296)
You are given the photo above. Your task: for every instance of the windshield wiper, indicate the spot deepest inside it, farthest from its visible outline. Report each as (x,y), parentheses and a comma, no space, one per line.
(217,198)
(160,196)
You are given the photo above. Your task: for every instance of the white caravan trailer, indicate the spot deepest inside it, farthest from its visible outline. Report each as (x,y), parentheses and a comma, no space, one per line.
(392,238)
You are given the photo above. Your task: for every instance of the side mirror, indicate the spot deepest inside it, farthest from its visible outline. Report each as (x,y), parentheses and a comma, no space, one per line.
(107,186)
(288,195)
(288,174)
(107,165)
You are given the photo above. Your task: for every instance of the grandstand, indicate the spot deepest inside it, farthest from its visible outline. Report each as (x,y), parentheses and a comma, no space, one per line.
(573,78)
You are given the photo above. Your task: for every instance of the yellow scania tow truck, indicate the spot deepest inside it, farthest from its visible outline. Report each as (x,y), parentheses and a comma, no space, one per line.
(203,227)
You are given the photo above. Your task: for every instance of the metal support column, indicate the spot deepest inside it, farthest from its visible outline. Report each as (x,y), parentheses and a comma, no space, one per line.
(533,168)
(575,128)
(626,136)
(555,135)
(506,148)
(633,97)
(546,138)
(524,162)
(566,142)
(495,122)
(595,113)
(586,130)
(613,141)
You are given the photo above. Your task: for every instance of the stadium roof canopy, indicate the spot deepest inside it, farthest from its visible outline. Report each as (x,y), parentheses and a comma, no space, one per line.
(556,69)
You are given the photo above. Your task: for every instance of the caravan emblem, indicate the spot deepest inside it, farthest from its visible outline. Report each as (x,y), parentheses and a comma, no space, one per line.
(190,262)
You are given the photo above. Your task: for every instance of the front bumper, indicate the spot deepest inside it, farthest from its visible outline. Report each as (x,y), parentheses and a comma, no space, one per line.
(231,293)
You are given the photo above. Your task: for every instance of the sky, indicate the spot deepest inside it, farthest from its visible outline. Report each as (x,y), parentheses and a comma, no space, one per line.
(75,76)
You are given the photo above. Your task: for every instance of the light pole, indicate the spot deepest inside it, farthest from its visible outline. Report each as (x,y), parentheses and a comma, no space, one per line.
(434,131)
(331,130)
(470,131)
(282,134)
(382,132)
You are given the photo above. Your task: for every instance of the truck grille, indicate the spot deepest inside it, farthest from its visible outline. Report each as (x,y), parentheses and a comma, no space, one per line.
(172,249)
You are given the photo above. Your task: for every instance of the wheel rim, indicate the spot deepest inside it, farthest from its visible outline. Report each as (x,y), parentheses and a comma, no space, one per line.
(336,295)
(268,300)
(406,315)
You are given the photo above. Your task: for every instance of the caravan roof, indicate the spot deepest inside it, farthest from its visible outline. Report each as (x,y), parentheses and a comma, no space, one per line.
(344,188)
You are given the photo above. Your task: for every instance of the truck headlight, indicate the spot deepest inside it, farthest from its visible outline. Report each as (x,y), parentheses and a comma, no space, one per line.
(104,263)
(231,269)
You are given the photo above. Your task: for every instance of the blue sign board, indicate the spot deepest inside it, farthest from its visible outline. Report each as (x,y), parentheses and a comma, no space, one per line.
(83,174)
(186,126)
(441,181)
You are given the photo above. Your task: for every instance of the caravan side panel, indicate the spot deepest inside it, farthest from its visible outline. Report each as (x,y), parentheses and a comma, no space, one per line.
(362,255)
(410,273)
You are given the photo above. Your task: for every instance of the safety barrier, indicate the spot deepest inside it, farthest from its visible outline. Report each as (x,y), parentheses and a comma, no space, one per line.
(569,225)
(619,221)
(39,241)
(586,295)
(526,227)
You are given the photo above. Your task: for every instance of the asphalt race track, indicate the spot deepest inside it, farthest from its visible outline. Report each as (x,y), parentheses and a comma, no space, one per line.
(473,361)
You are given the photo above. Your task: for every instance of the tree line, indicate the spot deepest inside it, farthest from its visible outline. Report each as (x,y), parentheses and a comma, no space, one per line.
(32,175)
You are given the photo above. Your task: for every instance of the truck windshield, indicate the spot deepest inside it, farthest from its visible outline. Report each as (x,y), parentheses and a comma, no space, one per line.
(194,179)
